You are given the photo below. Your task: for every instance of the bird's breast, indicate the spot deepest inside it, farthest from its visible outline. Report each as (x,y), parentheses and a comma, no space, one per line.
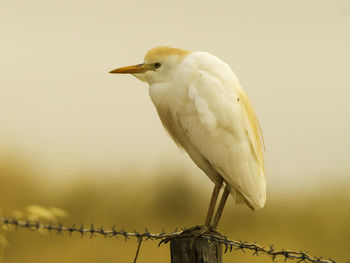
(169,101)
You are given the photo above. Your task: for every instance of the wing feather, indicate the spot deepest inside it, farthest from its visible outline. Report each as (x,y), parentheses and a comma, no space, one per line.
(258,138)
(221,125)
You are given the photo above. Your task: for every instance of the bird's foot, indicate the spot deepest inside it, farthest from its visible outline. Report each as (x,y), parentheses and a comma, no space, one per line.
(194,233)
(201,230)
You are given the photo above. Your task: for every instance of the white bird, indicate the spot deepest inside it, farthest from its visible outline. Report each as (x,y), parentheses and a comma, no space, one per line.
(202,106)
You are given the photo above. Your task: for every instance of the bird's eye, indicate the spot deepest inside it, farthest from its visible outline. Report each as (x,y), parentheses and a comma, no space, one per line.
(157,65)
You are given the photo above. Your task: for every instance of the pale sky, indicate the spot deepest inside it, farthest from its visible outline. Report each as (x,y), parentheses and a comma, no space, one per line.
(60,108)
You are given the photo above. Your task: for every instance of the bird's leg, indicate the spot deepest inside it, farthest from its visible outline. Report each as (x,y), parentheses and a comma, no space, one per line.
(197,231)
(212,203)
(207,226)
(220,207)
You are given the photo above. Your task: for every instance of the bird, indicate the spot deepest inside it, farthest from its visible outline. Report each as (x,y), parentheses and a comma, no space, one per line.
(204,109)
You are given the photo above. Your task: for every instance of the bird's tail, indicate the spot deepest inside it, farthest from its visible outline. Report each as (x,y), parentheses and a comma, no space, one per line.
(253,203)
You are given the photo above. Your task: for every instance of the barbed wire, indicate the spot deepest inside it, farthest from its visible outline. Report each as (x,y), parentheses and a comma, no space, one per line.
(229,245)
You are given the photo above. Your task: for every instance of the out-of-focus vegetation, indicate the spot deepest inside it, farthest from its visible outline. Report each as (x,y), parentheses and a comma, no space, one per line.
(316,221)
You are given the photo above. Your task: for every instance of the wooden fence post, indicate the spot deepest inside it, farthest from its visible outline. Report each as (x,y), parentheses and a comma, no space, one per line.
(203,251)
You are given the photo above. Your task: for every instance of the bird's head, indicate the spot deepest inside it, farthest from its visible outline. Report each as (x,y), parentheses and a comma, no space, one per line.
(159,65)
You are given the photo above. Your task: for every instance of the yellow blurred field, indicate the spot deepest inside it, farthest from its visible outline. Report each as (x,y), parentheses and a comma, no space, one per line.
(317,221)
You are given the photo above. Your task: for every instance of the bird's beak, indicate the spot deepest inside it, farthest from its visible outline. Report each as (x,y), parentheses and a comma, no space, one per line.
(134,69)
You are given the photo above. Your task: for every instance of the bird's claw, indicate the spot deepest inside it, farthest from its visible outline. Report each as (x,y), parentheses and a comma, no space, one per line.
(194,233)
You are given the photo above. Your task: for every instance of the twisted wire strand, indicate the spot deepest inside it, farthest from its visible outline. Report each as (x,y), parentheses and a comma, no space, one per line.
(229,245)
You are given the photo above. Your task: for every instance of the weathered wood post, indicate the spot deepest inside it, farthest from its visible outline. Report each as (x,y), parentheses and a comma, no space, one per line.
(203,251)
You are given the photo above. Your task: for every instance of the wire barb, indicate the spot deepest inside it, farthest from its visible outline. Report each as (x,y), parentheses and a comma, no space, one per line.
(256,249)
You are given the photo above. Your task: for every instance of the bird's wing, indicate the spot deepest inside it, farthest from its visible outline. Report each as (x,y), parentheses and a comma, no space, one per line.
(219,122)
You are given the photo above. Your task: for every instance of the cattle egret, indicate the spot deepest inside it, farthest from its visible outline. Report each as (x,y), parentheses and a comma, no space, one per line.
(202,106)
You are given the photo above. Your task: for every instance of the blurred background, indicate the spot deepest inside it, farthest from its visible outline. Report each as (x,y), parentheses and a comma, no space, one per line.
(73,136)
